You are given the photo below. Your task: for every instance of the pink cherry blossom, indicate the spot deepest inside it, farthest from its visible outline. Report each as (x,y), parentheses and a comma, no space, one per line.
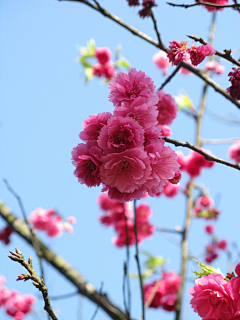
(211,256)
(176,178)
(209,228)
(141,109)
(167,108)
(210,9)
(2,280)
(219,69)
(198,54)
(115,194)
(93,125)
(55,226)
(237,269)
(67,227)
(120,134)
(103,55)
(121,239)
(152,135)
(147,290)
(222,244)
(234,151)
(71,219)
(127,171)
(177,52)
(127,87)
(98,70)
(205,201)
(182,160)
(171,190)
(146,11)
(166,131)
(133,3)
(39,218)
(143,212)
(108,70)
(87,160)
(184,70)
(161,60)
(212,298)
(164,166)
(5,234)
(210,65)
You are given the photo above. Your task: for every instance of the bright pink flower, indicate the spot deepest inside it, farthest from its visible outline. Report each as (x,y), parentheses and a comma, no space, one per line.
(235,285)
(115,194)
(121,240)
(39,218)
(18,303)
(108,70)
(167,108)
(212,298)
(210,228)
(93,125)
(121,134)
(5,294)
(211,256)
(181,159)
(177,52)
(127,87)
(222,244)
(55,226)
(210,65)
(87,160)
(127,171)
(19,315)
(222,2)
(196,161)
(161,60)
(142,110)
(198,54)
(98,70)
(176,178)
(5,234)
(234,151)
(103,55)
(164,166)
(107,204)
(205,201)
(219,69)
(237,269)
(144,229)
(156,301)
(71,219)
(171,281)
(143,212)
(166,131)
(151,135)
(171,190)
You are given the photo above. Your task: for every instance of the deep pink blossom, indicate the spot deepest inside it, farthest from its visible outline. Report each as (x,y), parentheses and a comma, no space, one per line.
(147,6)
(214,66)
(87,160)
(205,201)
(164,166)
(222,2)
(121,239)
(115,194)
(127,87)
(177,52)
(211,256)
(108,70)
(234,151)
(167,108)
(127,171)
(98,70)
(198,54)
(237,269)
(143,212)
(5,234)
(121,134)
(93,125)
(103,55)
(171,190)
(166,131)
(222,244)
(182,160)
(133,3)
(161,60)
(39,218)
(152,135)
(212,298)
(210,228)
(176,178)
(55,226)
(147,290)
(196,161)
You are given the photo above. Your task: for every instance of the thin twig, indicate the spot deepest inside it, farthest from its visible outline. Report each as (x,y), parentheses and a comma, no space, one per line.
(219,141)
(206,155)
(168,230)
(96,311)
(33,235)
(37,282)
(145,37)
(156,29)
(85,288)
(208,4)
(137,259)
(224,119)
(226,55)
(64,296)
(169,78)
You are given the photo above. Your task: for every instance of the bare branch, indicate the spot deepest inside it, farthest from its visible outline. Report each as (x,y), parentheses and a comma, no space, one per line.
(37,282)
(206,155)
(169,78)
(208,4)
(226,55)
(219,141)
(85,288)
(168,230)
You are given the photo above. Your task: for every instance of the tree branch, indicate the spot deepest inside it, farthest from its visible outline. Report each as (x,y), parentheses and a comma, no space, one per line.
(208,4)
(219,141)
(226,55)
(85,288)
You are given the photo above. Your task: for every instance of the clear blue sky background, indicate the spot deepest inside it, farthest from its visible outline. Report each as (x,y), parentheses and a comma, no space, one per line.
(43,105)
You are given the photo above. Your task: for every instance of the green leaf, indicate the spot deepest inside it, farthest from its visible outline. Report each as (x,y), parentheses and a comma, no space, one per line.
(122,63)
(206,269)
(84,62)
(183,101)
(89,75)
(91,48)
(118,51)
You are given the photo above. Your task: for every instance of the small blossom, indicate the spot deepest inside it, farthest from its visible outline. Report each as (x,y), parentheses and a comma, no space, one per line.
(171,190)
(103,55)
(209,228)
(210,9)
(5,235)
(166,131)
(222,244)
(133,3)
(161,60)
(198,54)
(177,52)
(71,219)
(234,151)
(167,108)
(147,6)
(176,178)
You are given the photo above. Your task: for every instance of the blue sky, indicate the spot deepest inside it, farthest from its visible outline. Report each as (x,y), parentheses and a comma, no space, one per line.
(43,104)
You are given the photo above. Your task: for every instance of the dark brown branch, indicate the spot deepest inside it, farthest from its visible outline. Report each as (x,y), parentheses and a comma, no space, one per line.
(226,55)
(85,288)
(145,37)
(169,78)
(208,4)
(37,282)
(206,155)
(161,44)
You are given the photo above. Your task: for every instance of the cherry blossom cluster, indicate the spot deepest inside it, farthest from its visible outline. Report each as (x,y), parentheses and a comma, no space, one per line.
(166,293)
(125,151)
(211,250)
(15,304)
(194,162)
(196,54)
(170,190)
(162,62)
(223,2)
(214,66)
(234,89)
(104,67)
(120,216)
(216,297)
(5,234)
(147,6)
(234,151)
(47,220)
(204,207)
